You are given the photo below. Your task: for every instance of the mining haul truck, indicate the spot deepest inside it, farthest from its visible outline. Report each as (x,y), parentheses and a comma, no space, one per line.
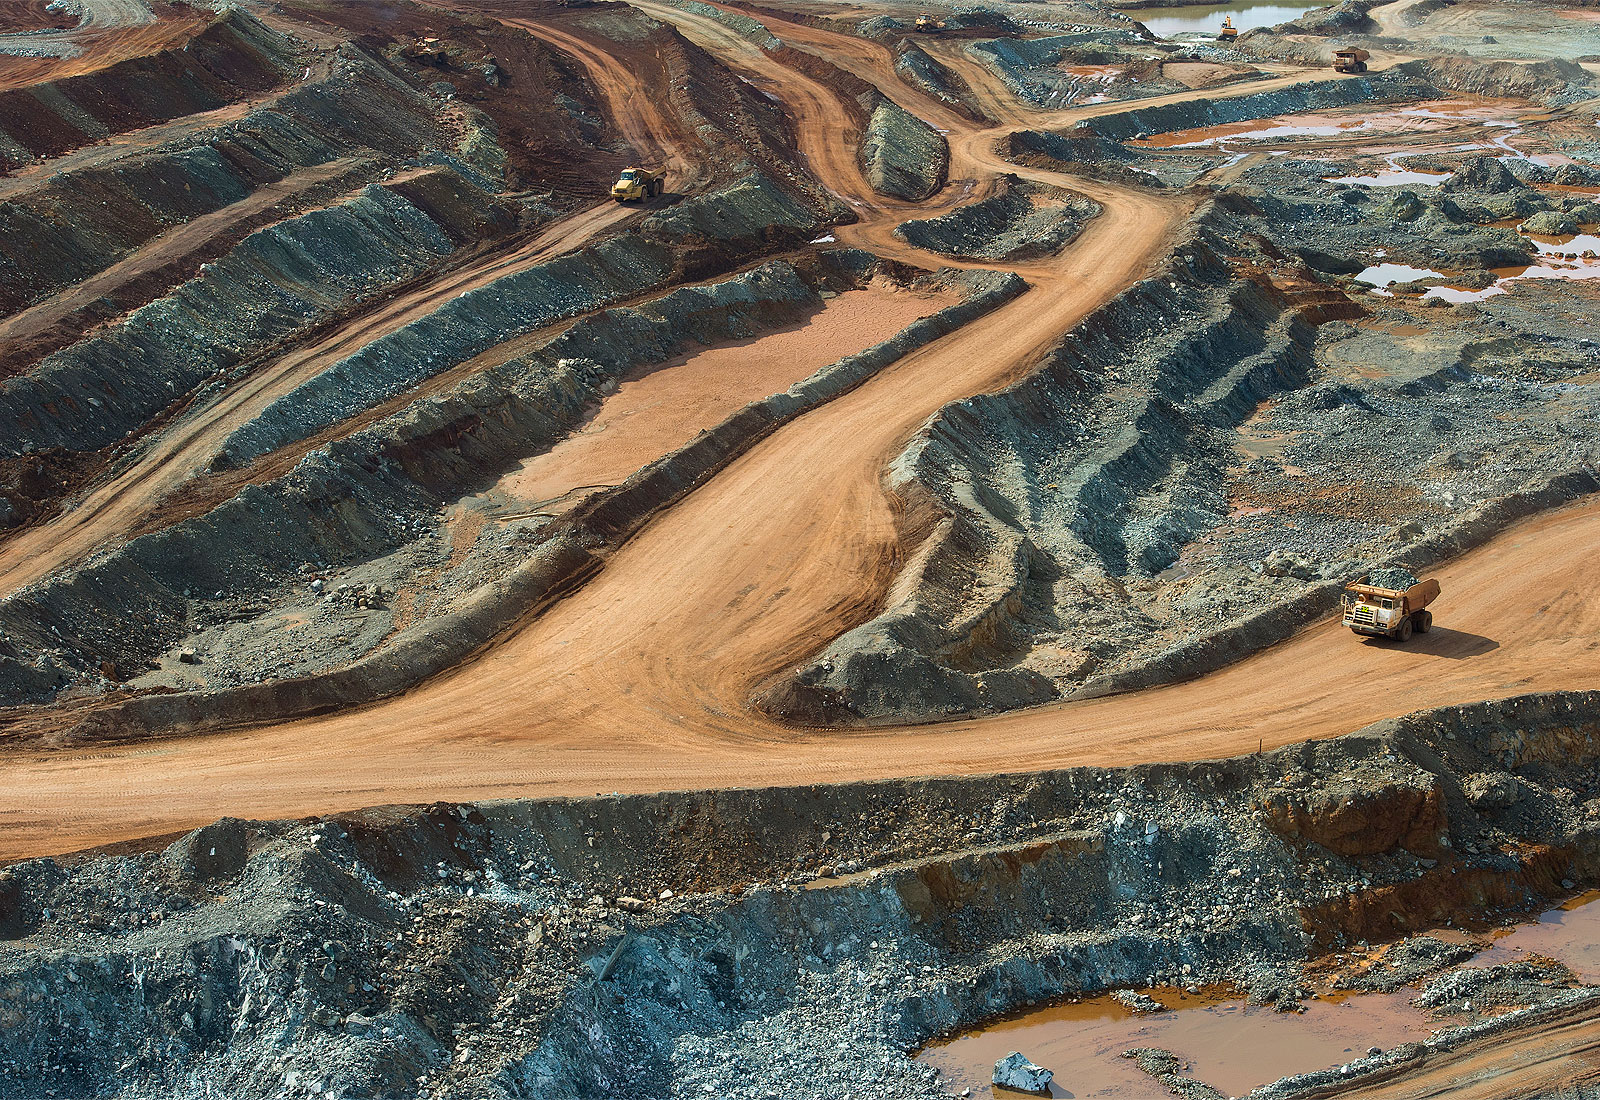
(927,24)
(1350,61)
(1389,603)
(1228,32)
(638,184)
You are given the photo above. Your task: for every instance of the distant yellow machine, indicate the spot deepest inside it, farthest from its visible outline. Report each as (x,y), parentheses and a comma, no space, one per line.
(639,184)
(1228,32)
(1350,61)
(928,24)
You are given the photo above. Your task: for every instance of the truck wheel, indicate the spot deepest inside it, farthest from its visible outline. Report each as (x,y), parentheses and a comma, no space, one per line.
(1424,621)
(1404,633)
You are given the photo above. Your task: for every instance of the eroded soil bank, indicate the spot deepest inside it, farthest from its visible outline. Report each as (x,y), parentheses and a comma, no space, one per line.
(796,942)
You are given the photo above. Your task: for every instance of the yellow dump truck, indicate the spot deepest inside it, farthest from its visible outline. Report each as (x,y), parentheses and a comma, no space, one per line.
(639,184)
(1228,32)
(927,24)
(1389,603)
(1350,61)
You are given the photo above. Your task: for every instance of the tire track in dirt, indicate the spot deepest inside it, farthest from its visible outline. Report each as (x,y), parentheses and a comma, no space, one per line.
(640,680)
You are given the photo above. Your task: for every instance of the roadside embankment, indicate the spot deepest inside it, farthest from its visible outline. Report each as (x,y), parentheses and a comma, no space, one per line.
(367,494)
(721,941)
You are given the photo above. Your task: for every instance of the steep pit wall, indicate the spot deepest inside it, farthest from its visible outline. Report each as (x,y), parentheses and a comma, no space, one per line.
(1554,83)
(359,496)
(1045,497)
(232,58)
(915,66)
(1030,67)
(1313,95)
(366,494)
(1022,220)
(751,216)
(721,942)
(60,230)
(277,282)
(900,155)
(904,156)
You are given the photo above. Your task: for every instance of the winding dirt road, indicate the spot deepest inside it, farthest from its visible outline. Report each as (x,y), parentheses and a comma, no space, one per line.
(641,680)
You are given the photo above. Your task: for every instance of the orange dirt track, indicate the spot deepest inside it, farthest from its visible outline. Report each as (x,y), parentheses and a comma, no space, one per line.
(640,681)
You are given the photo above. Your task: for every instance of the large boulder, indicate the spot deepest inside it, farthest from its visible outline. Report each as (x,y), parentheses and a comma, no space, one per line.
(1014,1071)
(1550,223)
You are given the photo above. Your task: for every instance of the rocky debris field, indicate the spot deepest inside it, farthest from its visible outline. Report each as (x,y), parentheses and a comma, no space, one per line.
(1022,220)
(288,289)
(723,942)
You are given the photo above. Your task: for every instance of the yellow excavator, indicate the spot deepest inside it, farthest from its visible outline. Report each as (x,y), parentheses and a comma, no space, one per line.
(1228,32)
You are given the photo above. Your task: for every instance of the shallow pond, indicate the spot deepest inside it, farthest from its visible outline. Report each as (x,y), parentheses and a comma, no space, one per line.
(1167,22)
(1228,1045)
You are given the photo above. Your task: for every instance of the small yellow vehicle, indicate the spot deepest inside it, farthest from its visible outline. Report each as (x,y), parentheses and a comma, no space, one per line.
(1228,32)
(639,184)
(1350,61)
(1383,604)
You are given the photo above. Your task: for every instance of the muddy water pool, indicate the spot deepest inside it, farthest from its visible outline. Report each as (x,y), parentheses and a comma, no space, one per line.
(1167,22)
(1233,1047)
(1230,1046)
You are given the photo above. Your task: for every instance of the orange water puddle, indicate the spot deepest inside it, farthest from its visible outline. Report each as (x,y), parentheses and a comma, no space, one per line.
(1233,1047)
(663,407)
(1570,933)
(1228,1045)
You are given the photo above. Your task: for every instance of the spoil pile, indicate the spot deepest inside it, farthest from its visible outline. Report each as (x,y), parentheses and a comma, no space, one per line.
(1022,220)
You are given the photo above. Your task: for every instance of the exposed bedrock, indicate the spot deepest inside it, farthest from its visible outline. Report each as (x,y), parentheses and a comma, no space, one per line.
(914,64)
(904,156)
(1022,220)
(1313,95)
(72,224)
(362,496)
(382,487)
(1554,83)
(278,281)
(1045,497)
(720,942)
(749,216)
(231,58)
(1031,68)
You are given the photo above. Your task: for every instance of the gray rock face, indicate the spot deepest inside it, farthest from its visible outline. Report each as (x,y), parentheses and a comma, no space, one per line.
(1486,174)
(1014,1071)
(1550,223)
(903,156)
(1022,220)
(1284,563)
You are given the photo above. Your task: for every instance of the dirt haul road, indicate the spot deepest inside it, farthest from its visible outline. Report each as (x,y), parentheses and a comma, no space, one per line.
(1546,1059)
(641,680)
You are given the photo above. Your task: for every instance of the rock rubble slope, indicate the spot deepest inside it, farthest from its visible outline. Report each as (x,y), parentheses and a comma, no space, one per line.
(356,449)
